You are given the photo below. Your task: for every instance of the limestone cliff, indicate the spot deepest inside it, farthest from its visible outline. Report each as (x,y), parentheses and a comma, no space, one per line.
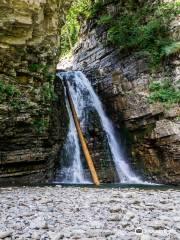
(122,80)
(31,127)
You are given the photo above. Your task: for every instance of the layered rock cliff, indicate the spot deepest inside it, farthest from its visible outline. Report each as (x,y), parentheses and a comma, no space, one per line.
(32,117)
(122,80)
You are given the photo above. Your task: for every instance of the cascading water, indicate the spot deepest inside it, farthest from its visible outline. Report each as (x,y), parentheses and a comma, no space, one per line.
(73,173)
(84,98)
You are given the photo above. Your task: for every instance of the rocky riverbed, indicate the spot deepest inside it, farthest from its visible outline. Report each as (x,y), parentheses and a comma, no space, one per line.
(87,213)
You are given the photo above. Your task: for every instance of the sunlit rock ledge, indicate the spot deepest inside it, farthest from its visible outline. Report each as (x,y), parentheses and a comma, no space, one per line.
(31,131)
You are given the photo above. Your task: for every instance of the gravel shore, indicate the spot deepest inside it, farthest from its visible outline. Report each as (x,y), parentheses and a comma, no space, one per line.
(87,213)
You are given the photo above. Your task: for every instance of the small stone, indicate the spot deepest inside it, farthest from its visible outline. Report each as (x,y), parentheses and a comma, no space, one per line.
(35,236)
(39,223)
(129,216)
(115,217)
(115,209)
(58,236)
(158,224)
(5,234)
(177,226)
(176,219)
(145,237)
(125,224)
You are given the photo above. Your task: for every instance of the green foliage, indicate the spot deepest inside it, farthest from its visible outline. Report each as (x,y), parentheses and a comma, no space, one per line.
(47,92)
(172,48)
(177,118)
(41,68)
(34,67)
(163,92)
(17,104)
(9,93)
(48,76)
(79,10)
(97,7)
(8,89)
(40,125)
(144,30)
(47,89)
(105,19)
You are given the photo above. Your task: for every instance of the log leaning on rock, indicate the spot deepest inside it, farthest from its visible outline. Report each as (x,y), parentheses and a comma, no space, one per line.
(82,140)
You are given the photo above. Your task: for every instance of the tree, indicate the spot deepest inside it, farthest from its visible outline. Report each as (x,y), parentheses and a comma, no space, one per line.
(79,11)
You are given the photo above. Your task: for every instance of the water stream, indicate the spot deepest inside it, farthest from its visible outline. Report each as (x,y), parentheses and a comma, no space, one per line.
(73,173)
(84,98)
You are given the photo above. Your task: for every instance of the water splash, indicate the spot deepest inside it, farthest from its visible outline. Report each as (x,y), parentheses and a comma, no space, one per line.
(84,97)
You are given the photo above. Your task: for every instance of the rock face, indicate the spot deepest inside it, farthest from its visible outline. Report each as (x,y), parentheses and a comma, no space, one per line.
(99,149)
(31,129)
(122,81)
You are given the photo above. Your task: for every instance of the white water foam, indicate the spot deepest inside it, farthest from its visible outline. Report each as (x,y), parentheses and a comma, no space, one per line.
(84,97)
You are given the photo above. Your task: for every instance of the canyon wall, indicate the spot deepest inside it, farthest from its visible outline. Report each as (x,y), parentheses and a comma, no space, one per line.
(151,130)
(33,119)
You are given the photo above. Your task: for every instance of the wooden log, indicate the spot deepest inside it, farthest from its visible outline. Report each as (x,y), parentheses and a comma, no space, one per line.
(82,140)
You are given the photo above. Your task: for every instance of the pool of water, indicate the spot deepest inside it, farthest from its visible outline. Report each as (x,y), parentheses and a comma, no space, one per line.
(102,186)
(124,186)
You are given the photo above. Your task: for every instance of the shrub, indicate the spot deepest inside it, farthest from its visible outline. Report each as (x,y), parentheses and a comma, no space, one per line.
(47,92)
(40,125)
(172,48)
(9,93)
(18,104)
(163,92)
(105,19)
(12,90)
(97,7)
(34,67)
(144,30)
(80,9)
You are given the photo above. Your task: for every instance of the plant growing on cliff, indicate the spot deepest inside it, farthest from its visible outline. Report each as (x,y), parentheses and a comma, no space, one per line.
(79,11)
(9,90)
(163,92)
(172,48)
(47,89)
(40,125)
(47,92)
(42,69)
(97,7)
(34,67)
(10,94)
(144,30)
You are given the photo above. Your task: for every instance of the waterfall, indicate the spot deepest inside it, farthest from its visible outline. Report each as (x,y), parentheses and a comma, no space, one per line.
(84,98)
(71,153)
